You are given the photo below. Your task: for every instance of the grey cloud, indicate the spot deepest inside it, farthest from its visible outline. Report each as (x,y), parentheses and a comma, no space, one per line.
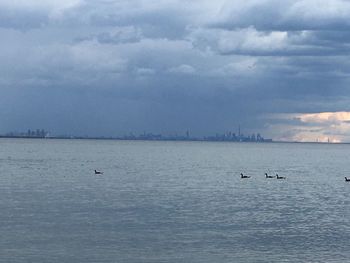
(31,14)
(115,35)
(289,15)
(251,42)
(173,65)
(22,20)
(281,28)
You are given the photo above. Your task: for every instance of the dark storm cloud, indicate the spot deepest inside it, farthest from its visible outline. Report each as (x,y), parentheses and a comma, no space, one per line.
(172,65)
(288,15)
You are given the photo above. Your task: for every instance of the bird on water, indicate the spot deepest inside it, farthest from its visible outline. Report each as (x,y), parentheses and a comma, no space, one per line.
(280,177)
(244,176)
(347,179)
(98,172)
(268,176)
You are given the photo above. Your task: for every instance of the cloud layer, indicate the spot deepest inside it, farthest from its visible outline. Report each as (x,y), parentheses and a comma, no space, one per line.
(172,65)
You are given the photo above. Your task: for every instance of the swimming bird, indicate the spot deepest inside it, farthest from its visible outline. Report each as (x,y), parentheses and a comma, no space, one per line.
(244,176)
(268,176)
(98,172)
(347,179)
(280,177)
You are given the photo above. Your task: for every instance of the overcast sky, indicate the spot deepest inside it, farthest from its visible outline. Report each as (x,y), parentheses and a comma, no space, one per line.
(111,67)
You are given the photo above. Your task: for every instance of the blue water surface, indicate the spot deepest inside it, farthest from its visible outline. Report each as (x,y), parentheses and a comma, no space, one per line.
(173,202)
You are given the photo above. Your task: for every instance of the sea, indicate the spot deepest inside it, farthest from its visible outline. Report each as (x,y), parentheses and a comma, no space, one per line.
(173,202)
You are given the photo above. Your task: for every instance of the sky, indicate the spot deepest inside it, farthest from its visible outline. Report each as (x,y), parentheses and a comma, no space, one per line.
(111,67)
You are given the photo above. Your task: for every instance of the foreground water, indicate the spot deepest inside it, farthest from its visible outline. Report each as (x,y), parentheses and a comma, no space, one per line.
(173,202)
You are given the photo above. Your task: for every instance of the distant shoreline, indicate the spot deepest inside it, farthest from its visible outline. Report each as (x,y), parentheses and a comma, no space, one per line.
(160,140)
(127,139)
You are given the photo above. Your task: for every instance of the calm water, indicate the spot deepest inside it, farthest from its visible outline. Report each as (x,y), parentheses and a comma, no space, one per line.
(173,202)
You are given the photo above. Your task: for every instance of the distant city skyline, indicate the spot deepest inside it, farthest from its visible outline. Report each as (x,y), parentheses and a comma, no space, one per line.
(229,136)
(101,68)
(186,135)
